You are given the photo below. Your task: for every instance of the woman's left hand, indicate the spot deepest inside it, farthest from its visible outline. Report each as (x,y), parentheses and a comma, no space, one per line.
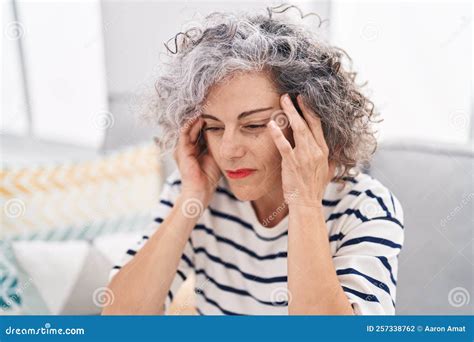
(306,170)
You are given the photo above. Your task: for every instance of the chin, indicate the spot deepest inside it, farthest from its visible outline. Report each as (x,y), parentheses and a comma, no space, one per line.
(246,193)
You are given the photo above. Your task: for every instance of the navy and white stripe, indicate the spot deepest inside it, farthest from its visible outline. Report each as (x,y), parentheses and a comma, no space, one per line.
(240,266)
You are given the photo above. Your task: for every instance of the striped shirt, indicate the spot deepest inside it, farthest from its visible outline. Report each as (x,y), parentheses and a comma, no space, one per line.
(241,266)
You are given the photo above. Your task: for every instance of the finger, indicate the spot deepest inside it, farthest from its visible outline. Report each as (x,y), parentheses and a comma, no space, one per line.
(282,144)
(189,131)
(315,125)
(300,129)
(195,129)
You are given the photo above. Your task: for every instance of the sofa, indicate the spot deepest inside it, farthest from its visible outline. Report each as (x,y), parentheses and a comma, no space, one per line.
(434,183)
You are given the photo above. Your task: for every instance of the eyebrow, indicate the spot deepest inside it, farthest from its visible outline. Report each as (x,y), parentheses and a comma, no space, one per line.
(241,115)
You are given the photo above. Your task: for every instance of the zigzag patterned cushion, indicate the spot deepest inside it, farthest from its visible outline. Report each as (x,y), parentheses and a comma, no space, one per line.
(74,201)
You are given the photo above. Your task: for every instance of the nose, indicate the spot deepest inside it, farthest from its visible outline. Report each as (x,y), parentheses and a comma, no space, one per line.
(232,146)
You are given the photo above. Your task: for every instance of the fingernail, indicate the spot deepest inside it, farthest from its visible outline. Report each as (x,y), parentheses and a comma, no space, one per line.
(287,99)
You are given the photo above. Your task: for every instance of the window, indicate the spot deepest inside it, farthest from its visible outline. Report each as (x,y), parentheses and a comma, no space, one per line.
(56,69)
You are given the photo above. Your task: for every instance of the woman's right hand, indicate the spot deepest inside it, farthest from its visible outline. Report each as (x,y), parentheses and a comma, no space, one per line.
(199,171)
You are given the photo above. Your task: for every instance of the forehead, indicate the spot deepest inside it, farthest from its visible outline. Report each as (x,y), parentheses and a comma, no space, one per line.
(239,93)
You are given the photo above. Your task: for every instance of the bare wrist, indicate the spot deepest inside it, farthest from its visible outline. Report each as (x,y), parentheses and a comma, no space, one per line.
(193,203)
(303,208)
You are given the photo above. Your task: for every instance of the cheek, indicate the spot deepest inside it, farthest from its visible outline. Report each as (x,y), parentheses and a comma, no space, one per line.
(212,143)
(261,147)
(265,151)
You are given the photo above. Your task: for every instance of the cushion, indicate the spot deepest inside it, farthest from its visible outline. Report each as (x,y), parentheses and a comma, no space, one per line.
(70,201)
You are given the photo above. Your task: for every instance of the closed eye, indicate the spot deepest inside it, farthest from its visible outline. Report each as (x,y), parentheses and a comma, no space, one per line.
(255,126)
(249,127)
(211,128)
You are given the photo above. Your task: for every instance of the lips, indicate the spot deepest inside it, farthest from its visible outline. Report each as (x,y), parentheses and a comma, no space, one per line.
(239,173)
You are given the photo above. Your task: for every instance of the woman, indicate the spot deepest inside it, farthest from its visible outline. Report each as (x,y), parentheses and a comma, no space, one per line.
(267,206)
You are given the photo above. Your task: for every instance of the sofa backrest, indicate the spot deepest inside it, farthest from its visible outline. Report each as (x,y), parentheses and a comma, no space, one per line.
(435,187)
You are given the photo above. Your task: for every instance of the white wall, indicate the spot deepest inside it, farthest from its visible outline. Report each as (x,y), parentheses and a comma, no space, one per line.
(417,58)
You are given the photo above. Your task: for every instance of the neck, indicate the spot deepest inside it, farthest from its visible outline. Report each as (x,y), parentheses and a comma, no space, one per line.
(271,208)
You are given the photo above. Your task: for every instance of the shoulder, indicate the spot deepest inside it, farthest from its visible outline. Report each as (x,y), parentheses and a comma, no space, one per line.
(364,198)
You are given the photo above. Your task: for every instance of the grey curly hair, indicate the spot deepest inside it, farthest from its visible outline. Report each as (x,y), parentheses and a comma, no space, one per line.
(298,62)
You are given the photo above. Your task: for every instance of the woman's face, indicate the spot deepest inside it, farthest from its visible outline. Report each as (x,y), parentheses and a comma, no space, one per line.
(235,114)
